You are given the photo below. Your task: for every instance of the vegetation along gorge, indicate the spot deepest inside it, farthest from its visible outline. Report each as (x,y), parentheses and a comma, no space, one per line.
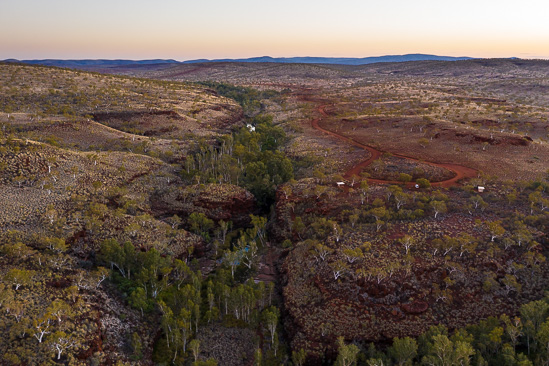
(260,213)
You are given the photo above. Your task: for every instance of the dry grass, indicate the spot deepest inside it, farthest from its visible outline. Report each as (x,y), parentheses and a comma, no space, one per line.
(145,116)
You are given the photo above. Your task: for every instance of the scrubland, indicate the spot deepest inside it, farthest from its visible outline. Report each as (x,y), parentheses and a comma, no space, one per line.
(191,214)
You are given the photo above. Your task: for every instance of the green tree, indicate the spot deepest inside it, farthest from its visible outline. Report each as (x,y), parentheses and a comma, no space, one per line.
(174,221)
(258,357)
(259,228)
(137,346)
(407,241)
(60,341)
(194,346)
(379,213)
(224,227)
(353,255)
(153,275)
(51,214)
(364,191)
(298,227)
(19,277)
(138,299)
(270,320)
(6,295)
(184,326)
(169,326)
(444,352)
(338,267)
(299,357)
(320,190)
(403,350)
(401,199)
(320,250)
(513,328)
(112,253)
(495,229)
(404,178)
(41,326)
(200,224)
(57,245)
(438,207)
(532,315)
(375,362)
(232,258)
(72,293)
(423,183)
(347,354)
(511,284)
(59,309)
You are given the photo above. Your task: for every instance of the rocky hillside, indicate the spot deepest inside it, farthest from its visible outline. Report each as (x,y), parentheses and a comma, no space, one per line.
(374,263)
(86,161)
(90,111)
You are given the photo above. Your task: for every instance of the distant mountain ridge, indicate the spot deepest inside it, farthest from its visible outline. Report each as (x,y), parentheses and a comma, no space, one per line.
(304,60)
(339,60)
(89,62)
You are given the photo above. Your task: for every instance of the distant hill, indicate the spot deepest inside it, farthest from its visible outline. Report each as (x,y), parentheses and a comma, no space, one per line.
(286,60)
(339,60)
(92,63)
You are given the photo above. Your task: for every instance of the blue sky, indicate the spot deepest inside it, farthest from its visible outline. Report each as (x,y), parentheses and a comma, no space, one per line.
(182,29)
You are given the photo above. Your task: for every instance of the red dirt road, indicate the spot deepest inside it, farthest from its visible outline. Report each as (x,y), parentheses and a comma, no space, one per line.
(460,172)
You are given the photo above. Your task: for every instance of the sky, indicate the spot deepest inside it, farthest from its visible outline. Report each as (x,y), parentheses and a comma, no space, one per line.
(184,29)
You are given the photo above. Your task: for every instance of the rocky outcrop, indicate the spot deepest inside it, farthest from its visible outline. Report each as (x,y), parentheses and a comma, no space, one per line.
(416,307)
(225,202)
(499,140)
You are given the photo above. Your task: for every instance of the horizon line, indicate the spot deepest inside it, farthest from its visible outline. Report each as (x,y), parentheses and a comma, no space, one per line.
(267,56)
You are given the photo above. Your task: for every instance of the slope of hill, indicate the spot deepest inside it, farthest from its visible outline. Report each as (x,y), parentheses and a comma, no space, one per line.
(473,68)
(65,105)
(248,72)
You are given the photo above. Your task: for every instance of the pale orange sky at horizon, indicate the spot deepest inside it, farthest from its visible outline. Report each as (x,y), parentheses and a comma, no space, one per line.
(181,30)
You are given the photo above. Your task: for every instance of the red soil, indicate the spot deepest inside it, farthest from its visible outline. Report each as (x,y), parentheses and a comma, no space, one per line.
(460,172)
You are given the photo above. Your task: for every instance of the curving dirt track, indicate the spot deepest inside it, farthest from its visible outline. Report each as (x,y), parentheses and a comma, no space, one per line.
(460,172)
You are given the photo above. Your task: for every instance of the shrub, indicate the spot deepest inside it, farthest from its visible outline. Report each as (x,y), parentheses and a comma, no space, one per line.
(423,183)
